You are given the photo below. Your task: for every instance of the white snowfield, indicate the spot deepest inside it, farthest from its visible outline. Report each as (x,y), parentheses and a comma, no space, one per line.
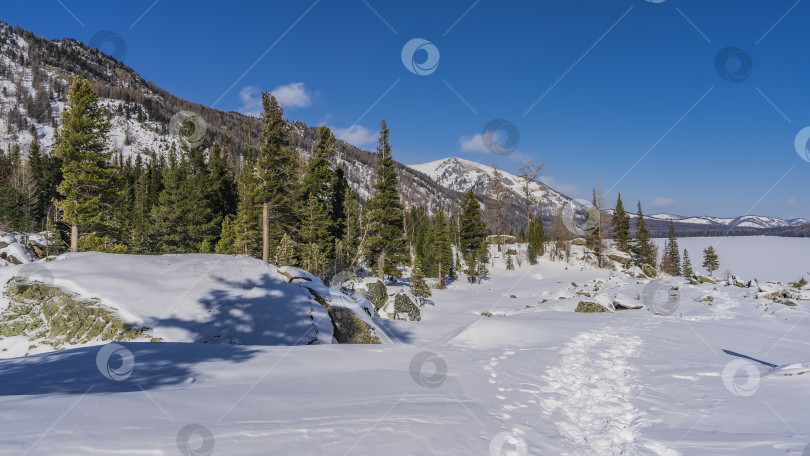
(535,378)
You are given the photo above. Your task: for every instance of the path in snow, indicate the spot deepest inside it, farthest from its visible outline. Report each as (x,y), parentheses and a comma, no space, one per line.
(588,395)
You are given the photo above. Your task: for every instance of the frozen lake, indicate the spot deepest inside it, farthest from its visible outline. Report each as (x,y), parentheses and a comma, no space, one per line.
(761,257)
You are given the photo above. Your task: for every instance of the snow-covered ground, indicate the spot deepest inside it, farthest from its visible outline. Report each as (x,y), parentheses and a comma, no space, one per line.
(534,378)
(762,257)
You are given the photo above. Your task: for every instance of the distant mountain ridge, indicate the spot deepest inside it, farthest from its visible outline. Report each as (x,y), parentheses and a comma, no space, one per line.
(33,80)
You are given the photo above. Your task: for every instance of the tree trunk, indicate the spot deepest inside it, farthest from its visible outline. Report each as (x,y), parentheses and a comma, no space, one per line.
(381,267)
(265,232)
(74,237)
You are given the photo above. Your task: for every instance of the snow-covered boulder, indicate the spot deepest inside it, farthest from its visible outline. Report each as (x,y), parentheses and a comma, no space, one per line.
(401,307)
(624,302)
(13,252)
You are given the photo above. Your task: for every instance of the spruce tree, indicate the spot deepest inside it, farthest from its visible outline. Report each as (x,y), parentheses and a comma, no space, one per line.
(673,252)
(167,217)
(593,228)
(419,288)
(473,237)
(227,237)
(221,183)
(89,186)
(275,178)
(536,239)
(316,228)
(643,252)
(197,206)
(36,170)
(140,226)
(337,204)
(443,252)
(621,226)
(248,213)
(385,245)
(710,260)
(686,269)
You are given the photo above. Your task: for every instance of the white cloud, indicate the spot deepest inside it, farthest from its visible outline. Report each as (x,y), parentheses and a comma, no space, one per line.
(663,202)
(792,200)
(356,135)
(292,95)
(475,143)
(251,101)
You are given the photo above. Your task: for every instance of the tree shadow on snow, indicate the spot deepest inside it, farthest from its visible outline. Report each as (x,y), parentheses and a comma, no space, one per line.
(268,311)
(80,370)
(740,355)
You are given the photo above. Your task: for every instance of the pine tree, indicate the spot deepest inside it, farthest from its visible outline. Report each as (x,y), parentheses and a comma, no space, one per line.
(167,217)
(248,213)
(316,241)
(672,251)
(221,183)
(275,178)
(473,237)
(36,170)
(227,237)
(687,265)
(536,239)
(316,228)
(621,226)
(199,221)
(89,186)
(643,252)
(443,252)
(419,288)
(285,251)
(593,228)
(140,239)
(510,263)
(710,260)
(385,246)
(337,204)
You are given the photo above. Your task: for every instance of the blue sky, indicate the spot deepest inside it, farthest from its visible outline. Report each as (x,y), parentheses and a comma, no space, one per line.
(624,93)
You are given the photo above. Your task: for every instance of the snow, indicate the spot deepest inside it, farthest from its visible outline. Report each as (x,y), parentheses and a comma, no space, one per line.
(535,378)
(196,298)
(761,257)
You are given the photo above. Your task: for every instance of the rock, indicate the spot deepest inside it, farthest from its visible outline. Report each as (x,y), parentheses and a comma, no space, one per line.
(624,302)
(349,328)
(377,293)
(10,258)
(588,307)
(737,282)
(37,249)
(400,307)
(579,241)
(624,260)
(3,245)
(649,271)
(699,279)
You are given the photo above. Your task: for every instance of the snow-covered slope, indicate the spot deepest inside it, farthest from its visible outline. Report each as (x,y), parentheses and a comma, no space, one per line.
(196,298)
(461,175)
(720,377)
(746,221)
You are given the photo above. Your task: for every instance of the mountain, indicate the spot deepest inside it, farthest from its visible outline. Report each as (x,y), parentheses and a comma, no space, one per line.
(460,175)
(34,75)
(745,221)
